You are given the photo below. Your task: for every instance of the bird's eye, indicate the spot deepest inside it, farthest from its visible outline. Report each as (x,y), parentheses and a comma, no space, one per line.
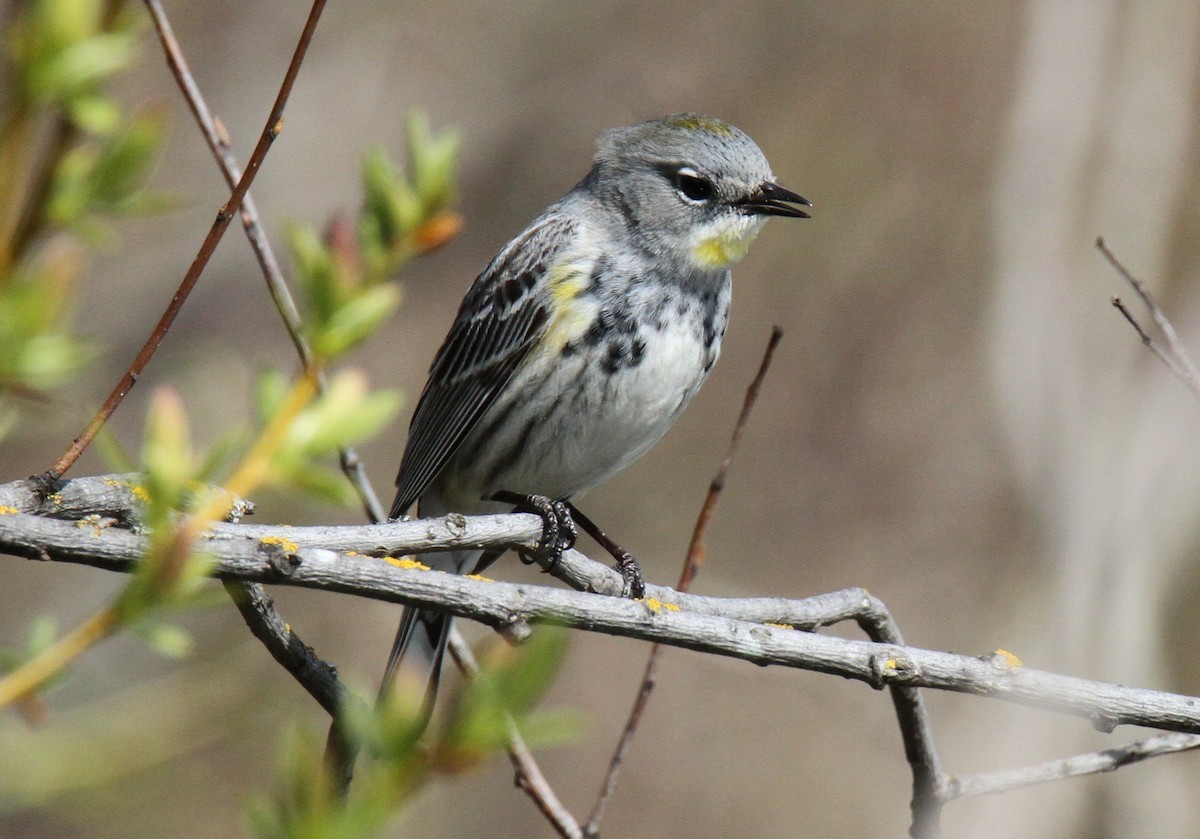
(693,186)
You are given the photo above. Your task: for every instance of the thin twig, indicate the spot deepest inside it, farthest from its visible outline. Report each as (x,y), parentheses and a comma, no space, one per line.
(1175,356)
(340,752)
(217,138)
(529,775)
(929,778)
(273,126)
(693,560)
(318,677)
(1093,763)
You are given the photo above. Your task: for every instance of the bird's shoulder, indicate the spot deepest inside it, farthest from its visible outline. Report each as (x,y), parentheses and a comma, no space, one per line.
(512,299)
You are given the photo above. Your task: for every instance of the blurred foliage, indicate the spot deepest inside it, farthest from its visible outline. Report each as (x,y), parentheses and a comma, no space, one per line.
(307,804)
(177,505)
(344,274)
(72,159)
(348,414)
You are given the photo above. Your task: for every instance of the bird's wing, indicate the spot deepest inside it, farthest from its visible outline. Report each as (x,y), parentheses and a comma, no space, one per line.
(506,311)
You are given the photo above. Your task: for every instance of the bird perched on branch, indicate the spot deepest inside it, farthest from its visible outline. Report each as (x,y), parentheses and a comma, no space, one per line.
(583,340)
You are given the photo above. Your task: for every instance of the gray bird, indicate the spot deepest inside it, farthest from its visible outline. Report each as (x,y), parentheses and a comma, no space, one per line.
(583,340)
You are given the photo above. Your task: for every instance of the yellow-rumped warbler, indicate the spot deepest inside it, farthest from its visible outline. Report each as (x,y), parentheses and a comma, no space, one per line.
(580,344)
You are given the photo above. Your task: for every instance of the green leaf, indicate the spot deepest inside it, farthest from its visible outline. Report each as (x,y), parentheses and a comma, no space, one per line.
(78,67)
(270,389)
(314,268)
(321,483)
(432,159)
(355,320)
(166,452)
(512,682)
(115,456)
(125,162)
(167,640)
(95,114)
(345,414)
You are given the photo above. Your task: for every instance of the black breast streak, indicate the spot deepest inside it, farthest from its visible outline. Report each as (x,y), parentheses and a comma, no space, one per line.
(623,351)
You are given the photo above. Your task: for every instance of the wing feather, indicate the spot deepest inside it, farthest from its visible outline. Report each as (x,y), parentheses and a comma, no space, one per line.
(505,312)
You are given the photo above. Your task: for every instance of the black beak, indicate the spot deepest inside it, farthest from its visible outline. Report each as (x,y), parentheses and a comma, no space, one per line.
(773,200)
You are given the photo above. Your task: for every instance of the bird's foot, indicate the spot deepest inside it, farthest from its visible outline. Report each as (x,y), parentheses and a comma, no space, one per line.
(633,584)
(558,529)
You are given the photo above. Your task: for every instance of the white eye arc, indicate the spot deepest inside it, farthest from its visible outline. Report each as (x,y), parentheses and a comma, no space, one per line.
(693,186)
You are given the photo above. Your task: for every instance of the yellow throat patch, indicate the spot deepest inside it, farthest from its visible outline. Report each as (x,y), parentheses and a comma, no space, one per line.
(720,250)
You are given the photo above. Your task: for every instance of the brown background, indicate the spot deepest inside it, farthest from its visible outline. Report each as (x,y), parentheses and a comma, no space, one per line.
(956,419)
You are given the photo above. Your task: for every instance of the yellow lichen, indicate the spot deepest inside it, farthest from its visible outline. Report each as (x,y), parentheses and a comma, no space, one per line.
(655,605)
(139,491)
(480,577)
(406,562)
(1008,659)
(781,625)
(8,511)
(287,544)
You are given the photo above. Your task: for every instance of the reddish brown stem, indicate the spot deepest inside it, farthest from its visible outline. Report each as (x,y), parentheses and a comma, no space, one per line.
(220,224)
(691,566)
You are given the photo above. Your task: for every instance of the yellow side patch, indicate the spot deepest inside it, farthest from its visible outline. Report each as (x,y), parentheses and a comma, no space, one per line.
(566,282)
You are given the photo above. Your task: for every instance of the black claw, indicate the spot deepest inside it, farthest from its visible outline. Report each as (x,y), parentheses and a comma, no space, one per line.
(558,530)
(634,585)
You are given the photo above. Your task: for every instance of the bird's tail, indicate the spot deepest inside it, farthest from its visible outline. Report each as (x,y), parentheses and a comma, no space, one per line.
(420,645)
(417,652)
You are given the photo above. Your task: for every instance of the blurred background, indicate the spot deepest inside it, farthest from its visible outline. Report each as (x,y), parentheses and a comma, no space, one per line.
(957,419)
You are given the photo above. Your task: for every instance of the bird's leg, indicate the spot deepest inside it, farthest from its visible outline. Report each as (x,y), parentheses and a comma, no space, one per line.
(634,584)
(558,530)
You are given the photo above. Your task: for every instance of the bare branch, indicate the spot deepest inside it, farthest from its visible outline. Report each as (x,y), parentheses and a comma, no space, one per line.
(722,629)
(1071,767)
(692,562)
(220,224)
(218,142)
(1175,356)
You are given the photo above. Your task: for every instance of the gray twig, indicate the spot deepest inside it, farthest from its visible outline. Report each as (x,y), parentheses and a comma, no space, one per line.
(1093,763)
(1174,355)
(735,627)
(728,627)
(217,137)
(692,562)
